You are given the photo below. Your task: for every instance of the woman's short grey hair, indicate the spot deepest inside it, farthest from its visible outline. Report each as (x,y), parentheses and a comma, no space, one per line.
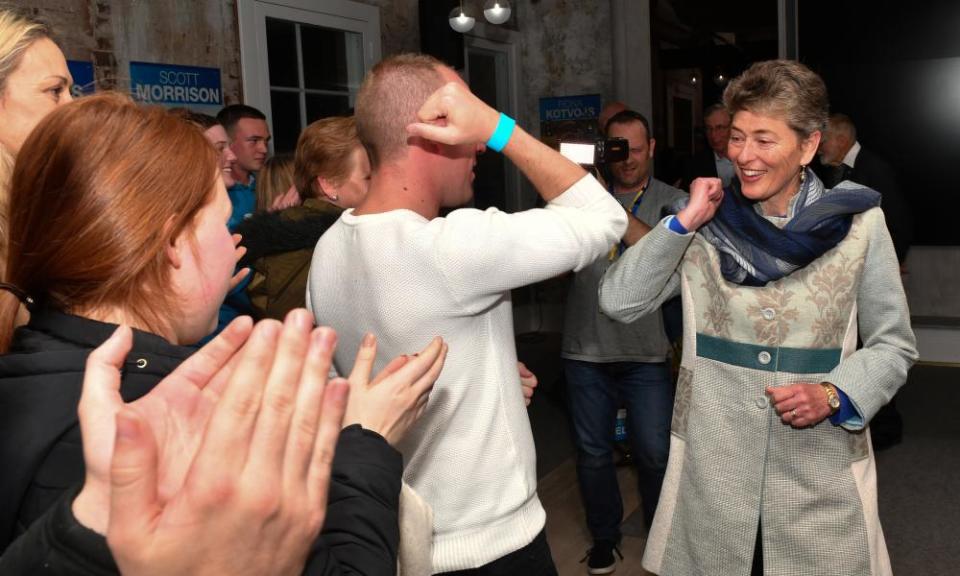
(785,89)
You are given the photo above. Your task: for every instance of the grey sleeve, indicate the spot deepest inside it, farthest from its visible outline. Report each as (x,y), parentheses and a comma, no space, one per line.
(873,374)
(645,276)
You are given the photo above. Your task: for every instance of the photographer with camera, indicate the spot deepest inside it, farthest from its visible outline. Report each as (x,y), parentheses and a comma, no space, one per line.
(608,363)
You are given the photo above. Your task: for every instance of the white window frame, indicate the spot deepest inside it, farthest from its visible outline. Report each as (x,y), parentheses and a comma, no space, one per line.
(336,14)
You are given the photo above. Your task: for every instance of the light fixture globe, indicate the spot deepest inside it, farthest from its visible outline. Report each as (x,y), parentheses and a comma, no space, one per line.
(460,20)
(496,11)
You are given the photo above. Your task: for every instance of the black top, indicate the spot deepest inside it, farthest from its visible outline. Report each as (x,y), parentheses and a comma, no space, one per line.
(873,172)
(40,383)
(42,459)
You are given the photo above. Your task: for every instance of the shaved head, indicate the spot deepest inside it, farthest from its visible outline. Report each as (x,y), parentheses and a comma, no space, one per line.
(388,102)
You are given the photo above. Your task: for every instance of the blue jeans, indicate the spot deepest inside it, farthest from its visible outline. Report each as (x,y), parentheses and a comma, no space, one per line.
(595,391)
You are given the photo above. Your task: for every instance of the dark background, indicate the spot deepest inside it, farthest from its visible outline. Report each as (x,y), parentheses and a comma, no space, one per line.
(894,67)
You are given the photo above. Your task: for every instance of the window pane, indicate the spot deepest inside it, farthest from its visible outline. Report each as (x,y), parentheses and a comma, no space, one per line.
(324,105)
(483,77)
(282,53)
(286,120)
(332,59)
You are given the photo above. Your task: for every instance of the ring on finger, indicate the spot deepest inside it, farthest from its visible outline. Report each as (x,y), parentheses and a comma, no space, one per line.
(793,413)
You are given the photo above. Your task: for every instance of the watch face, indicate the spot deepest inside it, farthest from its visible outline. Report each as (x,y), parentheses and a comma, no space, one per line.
(834,402)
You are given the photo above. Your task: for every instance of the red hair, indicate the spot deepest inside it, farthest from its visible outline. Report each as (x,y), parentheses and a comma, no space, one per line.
(100,188)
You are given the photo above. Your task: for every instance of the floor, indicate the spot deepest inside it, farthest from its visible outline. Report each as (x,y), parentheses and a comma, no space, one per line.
(919,479)
(567,530)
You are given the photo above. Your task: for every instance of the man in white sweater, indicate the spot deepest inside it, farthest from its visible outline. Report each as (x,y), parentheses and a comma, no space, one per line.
(393,267)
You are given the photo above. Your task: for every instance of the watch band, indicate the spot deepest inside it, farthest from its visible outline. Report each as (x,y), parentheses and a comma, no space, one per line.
(833,399)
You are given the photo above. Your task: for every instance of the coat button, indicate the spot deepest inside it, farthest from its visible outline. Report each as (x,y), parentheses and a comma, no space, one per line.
(763,357)
(768,313)
(762,402)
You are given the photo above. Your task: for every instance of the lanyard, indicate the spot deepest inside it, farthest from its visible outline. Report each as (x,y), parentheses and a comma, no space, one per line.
(616,251)
(638,199)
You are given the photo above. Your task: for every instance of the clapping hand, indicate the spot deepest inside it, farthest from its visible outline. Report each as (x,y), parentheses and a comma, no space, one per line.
(253,430)
(238,253)
(177,408)
(391,402)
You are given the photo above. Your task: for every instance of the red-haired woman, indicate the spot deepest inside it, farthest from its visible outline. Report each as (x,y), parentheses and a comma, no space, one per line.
(118,216)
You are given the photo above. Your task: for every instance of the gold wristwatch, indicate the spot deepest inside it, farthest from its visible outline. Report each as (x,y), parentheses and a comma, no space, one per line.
(833,399)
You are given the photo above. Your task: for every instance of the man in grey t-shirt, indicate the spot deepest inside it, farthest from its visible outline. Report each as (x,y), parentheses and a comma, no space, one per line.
(608,363)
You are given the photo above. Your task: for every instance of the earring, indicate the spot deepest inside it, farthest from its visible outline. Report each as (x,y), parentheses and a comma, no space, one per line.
(803,173)
(335,197)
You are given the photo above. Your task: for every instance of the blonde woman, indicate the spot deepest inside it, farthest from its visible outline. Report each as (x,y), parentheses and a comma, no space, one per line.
(275,184)
(33,81)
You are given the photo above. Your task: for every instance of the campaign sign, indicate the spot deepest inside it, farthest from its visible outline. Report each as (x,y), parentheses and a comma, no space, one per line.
(172,85)
(569,118)
(585,107)
(82,73)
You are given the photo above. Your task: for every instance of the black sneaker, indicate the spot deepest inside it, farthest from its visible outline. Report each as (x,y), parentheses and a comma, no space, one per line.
(600,558)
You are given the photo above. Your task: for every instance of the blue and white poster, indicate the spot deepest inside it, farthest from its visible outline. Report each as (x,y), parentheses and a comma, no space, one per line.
(569,118)
(82,73)
(172,85)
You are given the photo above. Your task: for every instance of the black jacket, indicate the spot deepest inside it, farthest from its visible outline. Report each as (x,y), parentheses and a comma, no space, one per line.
(40,382)
(873,172)
(279,251)
(42,459)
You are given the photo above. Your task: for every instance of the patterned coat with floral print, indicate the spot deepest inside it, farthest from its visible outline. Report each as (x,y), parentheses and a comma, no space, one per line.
(734,467)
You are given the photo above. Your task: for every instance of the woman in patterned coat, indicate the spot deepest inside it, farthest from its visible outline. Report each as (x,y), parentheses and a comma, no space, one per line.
(771,469)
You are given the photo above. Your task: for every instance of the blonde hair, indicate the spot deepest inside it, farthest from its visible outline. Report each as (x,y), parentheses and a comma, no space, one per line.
(274,179)
(18,31)
(93,208)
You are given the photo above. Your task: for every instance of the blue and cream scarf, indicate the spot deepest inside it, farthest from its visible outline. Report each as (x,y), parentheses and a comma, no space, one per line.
(754,251)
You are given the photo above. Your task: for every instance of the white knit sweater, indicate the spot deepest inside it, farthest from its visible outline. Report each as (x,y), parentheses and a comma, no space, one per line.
(408,279)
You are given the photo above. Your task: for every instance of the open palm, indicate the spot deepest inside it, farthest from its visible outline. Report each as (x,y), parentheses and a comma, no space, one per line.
(178,410)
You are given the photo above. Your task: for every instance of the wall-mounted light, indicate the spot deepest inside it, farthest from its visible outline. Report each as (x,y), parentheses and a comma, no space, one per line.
(496,11)
(460,20)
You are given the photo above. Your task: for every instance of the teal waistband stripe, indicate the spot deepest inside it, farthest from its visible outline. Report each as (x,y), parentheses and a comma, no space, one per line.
(795,360)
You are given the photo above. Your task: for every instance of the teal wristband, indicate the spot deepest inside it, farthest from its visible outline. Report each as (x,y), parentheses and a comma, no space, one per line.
(502,134)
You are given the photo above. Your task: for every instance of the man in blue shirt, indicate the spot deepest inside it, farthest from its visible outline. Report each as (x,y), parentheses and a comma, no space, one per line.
(249,139)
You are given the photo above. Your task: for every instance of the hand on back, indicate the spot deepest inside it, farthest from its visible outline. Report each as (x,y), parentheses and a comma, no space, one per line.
(391,402)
